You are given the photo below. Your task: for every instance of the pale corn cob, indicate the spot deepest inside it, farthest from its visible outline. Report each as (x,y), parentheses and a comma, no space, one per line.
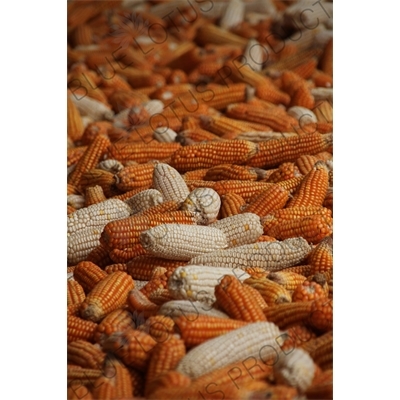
(231,204)
(110,165)
(270,291)
(272,256)
(321,94)
(76,200)
(95,109)
(144,200)
(154,107)
(170,183)
(253,55)
(295,369)
(178,308)
(253,340)
(204,204)
(240,229)
(97,215)
(303,115)
(75,292)
(197,283)
(164,134)
(182,242)
(93,195)
(85,354)
(233,14)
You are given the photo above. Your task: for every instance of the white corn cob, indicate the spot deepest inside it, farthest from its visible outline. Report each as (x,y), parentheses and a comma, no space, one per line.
(204,203)
(144,200)
(154,107)
(121,120)
(93,108)
(189,308)
(321,93)
(182,242)
(81,243)
(254,55)
(197,283)
(233,14)
(76,200)
(295,369)
(240,229)
(329,164)
(272,256)
(170,183)
(97,215)
(256,340)
(302,114)
(164,134)
(260,136)
(110,165)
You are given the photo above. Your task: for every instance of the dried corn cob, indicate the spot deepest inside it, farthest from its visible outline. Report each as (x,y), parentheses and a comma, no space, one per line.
(240,229)
(296,336)
(284,172)
(77,391)
(105,179)
(165,207)
(210,33)
(93,108)
(307,291)
(182,242)
(194,135)
(304,270)
(108,295)
(94,195)
(231,204)
(159,327)
(139,303)
(271,292)
(88,275)
(305,163)
(74,121)
(287,314)
(138,176)
(115,267)
(99,256)
(144,200)
(321,350)
(85,376)
(246,189)
(321,315)
(197,283)
(322,386)
(197,174)
(186,308)
(287,279)
(321,257)
(79,329)
(271,256)
(75,292)
(230,171)
(85,354)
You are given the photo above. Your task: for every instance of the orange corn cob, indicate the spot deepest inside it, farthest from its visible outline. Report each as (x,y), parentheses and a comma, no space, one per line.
(305,163)
(322,386)
(307,291)
(75,292)
(140,303)
(298,89)
(190,122)
(296,336)
(85,354)
(284,172)
(246,189)
(328,201)
(163,208)
(291,184)
(196,135)
(74,154)
(169,380)
(287,279)
(306,69)
(161,296)
(142,267)
(312,189)
(135,176)
(277,151)
(99,256)
(74,121)
(83,376)
(273,198)
(237,301)
(138,382)
(108,295)
(88,275)
(321,350)
(230,171)
(321,79)
(287,314)
(71,189)
(209,154)
(326,61)
(231,204)
(321,315)
(197,174)
(271,292)
(78,328)
(73,309)
(128,194)
(194,184)
(106,180)
(157,281)
(77,391)
(95,129)
(94,195)
(115,267)
(89,159)
(321,257)
(304,270)
(160,327)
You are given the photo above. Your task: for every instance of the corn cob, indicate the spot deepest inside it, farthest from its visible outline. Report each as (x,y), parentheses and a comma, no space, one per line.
(85,354)
(170,183)
(204,204)
(77,391)
(144,200)
(93,108)
(230,171)
(210,33)
(105,179)
(271,256)
(296,336)
(195,183)
(159,327)
(110,165)
(138,176)
(165,207)
(74,121)
(197,174)
(253,55)
(287,314)
(83,376)
(99,256)
(252,340)
(231,204)
(277,151)
(75,292)
(287,279)
(197,283)
(326,59)
(95,129)
(265,135)
(284,172)
(198,155)
(177,308)
(195,135)
(240,229)
(321,257)
(246,189)
(139,303)
(182,242)
(307,291)
(89,159)
(321,315)
(79,329)
(304,270)
(115,267)
(157,281)
(132,346)
(108,295)
(94,195)
(322,386)
(88,275)
(271,292)
(321,350)
(305,163)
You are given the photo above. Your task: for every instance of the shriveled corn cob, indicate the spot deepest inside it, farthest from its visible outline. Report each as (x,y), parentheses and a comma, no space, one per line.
(115,267)
(197,283)
(88,275)
(178,308)
(321,350)
(284,172)
(110,165)
(94,195)
(204,204)
(182,242)
(321,315)
(139,176)
(108,295)
(252,340)
(271,256)
(170,183)
(144,200)
(209,154)
(123,256)
(75,292)
(160,327)
(80,329)
(231,204)
(85,354)
(287,279)
(230,171)
(240,229)
(270,291)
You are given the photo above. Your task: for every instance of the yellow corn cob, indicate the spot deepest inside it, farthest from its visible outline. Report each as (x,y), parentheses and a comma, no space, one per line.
(144,200)
(235,172)
(94,195)
(197,283)
(182,242)
(79,329)
(271,256)
(231,204)
(270,291)
(170,183)
(321,350)
(108,295)
(85,354)
(321,257)
(75,292)
(209,154)
(177,308)
(135,177)
(240,229)
(312,189)
(246,189)
(287,279)
(204,204)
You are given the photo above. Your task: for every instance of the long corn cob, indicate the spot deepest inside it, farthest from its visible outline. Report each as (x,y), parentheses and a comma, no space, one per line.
(88,275)
(93,195)
(287,279)
(105,179)
(321,257)
(75,292)
(230,171)
(270,291)
(80,329)
(246,189)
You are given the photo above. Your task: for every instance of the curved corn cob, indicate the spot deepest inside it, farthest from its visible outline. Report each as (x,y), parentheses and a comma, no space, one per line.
(270,291)
(85,354)
(144,200)
(182,242)
(178,308)
(240,229)
(139,302)
(271,256)
(197,283)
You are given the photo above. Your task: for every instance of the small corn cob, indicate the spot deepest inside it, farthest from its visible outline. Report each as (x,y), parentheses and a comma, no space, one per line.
(182,242)
(95,109)
(240,229)
(321,350)
(195,135)
(230,171)
(144,200)
(307,291)
(85,354)
(135,176)
(296,336)
(160,296)
(238,300)
(94,195)
(164,207)
(253,55)
(88,275)
(271,256)
(108,295)
(197,283)
(177,308)
(204,204)
(274,152)
(321,257)
(197,174)
(95,129)
(287,279)
(209,154)
(79,329)
(75,292)
(170,183)
(132,346)
(139,303)
(110,165)
(159,327)
(284,172)
(246,189)
(195,183)
(89,159)
(271,292)
(231,204)
(252,340)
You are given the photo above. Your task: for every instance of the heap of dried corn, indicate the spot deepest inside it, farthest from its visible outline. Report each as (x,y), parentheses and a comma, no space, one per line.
(200,199)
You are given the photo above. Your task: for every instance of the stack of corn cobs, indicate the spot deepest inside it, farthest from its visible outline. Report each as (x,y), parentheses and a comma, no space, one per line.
(200,197)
